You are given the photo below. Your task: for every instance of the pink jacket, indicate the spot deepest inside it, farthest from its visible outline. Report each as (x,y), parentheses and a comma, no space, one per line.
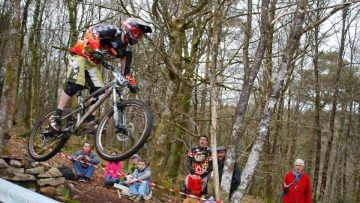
(113,168)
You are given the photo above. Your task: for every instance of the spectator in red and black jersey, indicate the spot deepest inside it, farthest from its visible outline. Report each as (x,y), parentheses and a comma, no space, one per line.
(199,165)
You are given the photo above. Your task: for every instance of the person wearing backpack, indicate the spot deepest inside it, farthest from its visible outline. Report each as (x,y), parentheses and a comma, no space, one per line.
(296,186)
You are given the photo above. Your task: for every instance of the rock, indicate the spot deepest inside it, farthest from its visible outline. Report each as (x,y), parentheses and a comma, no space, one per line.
(37,170)
(15,163)
(48,191)
(18,177)
(3,163)
(51,181)
(11,169)
(60,190)
(43,164)
(34,164)
(51,173)
(27,163)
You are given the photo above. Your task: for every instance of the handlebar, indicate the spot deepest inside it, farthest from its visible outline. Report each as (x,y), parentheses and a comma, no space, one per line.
(120,79)
(107,65)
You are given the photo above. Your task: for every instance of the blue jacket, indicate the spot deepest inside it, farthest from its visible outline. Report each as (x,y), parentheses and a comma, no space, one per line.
(93,158)
(143,175)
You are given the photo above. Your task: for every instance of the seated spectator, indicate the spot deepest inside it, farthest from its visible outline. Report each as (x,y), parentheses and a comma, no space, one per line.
(112,172)
(84,162)
(139,189)
(133,164)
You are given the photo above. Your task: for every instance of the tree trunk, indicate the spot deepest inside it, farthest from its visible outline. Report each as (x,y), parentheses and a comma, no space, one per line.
(180,85)
(317,125)
(270,147)
(324,176)
(21,60)
(291,46)
(35,66)
(7,106)
(244,98)
(214,45)
(72,9)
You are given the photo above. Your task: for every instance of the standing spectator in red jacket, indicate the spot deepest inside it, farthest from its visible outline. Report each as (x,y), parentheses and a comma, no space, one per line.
(296,187)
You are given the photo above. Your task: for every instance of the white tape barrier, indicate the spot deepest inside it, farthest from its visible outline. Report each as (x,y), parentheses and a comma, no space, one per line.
(12,193)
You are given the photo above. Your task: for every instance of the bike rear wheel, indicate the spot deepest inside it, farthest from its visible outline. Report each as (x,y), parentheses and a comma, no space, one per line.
(43,143)
(126,139)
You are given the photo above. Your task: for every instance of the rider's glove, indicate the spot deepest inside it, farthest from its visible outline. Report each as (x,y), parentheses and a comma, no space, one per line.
(98,55)
(132,83)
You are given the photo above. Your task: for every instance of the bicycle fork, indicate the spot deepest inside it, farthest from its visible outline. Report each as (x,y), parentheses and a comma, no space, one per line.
(119,119)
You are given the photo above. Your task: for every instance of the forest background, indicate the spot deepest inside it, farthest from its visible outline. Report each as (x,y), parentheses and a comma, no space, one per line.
(272,80)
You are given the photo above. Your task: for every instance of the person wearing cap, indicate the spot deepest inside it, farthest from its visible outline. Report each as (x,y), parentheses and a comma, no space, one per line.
(133,165)
(235,181)
(296,186)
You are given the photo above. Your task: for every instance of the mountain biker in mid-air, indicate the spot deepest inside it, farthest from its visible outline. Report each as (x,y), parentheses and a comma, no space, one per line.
(100,41)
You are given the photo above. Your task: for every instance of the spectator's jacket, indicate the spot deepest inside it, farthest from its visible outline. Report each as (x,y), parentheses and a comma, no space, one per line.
(299,191)
(235,181)
(93,158)
(142,175)
(113,169)
(199,161)
(106,38)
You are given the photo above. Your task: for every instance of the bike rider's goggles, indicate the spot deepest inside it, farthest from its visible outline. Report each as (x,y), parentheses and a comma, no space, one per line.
(135,35)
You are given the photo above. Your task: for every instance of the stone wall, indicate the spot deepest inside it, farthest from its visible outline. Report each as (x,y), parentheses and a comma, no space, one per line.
(37,176)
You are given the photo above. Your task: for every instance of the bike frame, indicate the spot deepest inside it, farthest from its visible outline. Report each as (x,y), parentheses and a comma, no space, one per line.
(114,87)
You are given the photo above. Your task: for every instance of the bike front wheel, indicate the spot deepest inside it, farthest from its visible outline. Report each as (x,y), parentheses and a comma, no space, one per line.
(116,142)
(43,142)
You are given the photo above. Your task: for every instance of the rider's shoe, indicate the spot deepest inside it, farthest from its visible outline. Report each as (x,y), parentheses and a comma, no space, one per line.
(132,83)
(55,123)
(90,127)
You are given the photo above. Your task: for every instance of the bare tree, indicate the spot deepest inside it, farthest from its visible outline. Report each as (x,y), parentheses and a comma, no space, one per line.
(215,32)
(244,97)
(8,99)
(325,169)
(291,46)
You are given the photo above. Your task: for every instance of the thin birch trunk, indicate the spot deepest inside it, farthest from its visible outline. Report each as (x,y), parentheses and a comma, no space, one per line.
(243,100)
(215,30)
(291,46)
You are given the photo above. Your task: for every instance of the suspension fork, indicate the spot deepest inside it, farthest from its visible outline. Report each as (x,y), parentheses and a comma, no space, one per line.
(119,117)
(115,106)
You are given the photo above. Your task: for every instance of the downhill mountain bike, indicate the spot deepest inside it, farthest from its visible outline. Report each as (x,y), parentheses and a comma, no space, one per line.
(124,129)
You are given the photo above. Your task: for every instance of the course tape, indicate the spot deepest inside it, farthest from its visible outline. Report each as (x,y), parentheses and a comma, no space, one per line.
(67,157)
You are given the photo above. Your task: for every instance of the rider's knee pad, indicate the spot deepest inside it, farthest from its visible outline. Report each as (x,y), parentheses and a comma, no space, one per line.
(71,88)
